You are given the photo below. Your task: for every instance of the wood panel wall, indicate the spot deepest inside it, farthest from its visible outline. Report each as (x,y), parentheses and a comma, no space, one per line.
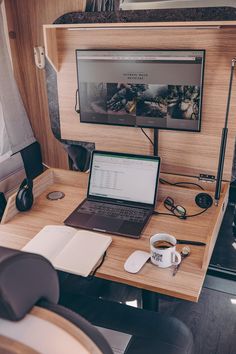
(181,152)
(25,22)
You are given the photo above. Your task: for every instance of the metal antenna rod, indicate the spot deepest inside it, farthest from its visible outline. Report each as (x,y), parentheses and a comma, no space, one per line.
(224,139)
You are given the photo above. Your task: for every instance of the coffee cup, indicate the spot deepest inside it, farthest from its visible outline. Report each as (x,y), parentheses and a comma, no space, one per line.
(163,250)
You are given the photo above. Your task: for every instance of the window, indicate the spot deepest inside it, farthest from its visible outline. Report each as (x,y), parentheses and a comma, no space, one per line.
(15,129)
(5,149)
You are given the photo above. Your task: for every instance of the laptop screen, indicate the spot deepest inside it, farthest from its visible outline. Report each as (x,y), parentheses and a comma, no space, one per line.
(126,177)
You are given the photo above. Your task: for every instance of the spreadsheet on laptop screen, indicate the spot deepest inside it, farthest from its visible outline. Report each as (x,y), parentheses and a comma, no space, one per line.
(125,178)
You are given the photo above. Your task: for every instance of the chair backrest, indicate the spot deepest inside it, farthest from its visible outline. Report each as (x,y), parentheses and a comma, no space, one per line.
(27,279)
(44,331)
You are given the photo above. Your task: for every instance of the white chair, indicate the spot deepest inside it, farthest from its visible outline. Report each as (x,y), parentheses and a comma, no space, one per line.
(32,322)
(27,279)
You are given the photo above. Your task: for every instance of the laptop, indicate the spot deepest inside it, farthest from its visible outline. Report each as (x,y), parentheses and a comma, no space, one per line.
(121,194)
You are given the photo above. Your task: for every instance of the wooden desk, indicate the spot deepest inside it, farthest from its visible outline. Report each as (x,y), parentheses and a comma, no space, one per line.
(18,228)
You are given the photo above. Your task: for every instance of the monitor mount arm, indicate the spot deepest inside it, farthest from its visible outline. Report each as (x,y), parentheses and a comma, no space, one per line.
(224,139)
(155,142)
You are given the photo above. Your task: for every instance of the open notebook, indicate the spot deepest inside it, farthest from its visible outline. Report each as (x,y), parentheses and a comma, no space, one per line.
(70,250)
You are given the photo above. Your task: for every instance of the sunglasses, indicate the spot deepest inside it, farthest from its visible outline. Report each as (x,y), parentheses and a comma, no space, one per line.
(177,210)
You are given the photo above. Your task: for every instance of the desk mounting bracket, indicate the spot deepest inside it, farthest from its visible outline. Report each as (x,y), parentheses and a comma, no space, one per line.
(206,178)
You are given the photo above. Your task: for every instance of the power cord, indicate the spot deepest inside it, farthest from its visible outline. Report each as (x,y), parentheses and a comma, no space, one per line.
(90,277)
(167,182)
(163,181)
(148,137)
(180,217)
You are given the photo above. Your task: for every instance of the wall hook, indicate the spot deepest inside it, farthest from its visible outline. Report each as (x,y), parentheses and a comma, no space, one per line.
(39,57)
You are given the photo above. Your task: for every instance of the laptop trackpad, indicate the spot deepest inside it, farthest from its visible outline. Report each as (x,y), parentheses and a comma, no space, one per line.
(104,223)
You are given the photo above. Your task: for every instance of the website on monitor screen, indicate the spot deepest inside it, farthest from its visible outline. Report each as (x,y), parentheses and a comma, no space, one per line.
(160,89)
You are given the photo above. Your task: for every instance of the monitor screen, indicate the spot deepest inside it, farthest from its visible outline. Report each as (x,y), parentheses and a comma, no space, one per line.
(142,88)
(112,176)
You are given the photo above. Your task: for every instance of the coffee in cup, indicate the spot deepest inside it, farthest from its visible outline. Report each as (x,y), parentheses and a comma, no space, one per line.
(162,244)
(163,250)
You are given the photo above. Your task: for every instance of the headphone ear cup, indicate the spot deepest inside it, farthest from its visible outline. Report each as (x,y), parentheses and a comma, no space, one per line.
(24,197)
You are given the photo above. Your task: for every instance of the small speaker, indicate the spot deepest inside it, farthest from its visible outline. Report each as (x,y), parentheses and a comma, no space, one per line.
(24,197)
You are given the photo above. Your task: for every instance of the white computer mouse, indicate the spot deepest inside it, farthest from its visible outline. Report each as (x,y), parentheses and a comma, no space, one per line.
(136,261)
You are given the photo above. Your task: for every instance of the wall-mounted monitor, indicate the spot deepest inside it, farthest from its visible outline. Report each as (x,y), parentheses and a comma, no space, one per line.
(142,88)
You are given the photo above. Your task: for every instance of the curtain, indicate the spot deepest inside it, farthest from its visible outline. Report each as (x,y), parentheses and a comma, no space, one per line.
(15,129)
(4,142)
(100,5)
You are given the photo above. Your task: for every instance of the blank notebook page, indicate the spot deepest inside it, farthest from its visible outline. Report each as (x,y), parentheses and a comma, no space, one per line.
(82,252)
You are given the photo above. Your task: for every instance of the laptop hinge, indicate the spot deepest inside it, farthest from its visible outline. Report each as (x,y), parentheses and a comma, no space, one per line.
(117,202)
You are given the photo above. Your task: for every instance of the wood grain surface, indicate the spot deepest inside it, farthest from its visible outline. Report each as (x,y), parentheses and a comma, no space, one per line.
(181,152)
(186,284)
(85,344)
(12,346)
(25,20)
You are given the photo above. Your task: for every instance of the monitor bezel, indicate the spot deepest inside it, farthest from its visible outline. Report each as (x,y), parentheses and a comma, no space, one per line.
(146,50)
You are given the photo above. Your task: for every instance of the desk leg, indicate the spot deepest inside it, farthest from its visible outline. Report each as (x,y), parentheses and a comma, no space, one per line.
(150,300)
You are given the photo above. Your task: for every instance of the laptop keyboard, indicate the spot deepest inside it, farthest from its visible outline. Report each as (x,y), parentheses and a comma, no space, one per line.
(114,211)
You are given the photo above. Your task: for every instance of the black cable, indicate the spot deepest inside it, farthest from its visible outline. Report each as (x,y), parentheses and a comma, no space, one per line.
(143,131)
(157,213)
(90,277)
(180,217)
(176,183)
(195,184)
(201,212)
(163,180)
(179,183)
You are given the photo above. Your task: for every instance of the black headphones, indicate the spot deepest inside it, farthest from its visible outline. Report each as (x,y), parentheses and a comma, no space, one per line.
(24,197)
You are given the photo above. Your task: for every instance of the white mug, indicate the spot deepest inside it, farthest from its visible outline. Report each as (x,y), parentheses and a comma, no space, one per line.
(164,257)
